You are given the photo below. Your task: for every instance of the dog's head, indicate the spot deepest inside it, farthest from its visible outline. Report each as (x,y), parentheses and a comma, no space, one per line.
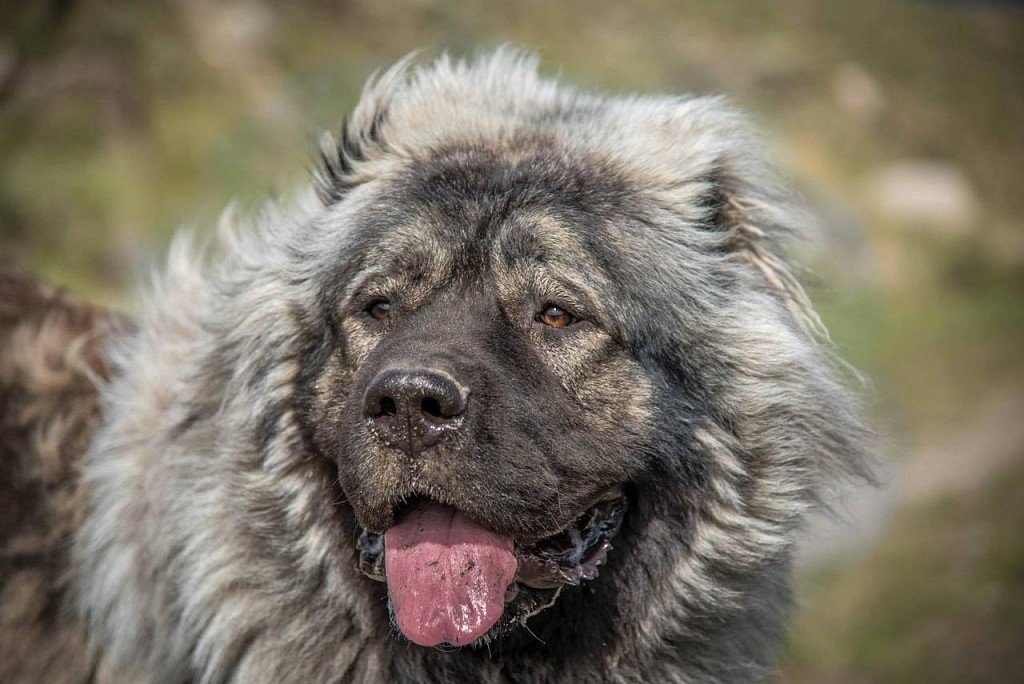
(481,399)
(556,345)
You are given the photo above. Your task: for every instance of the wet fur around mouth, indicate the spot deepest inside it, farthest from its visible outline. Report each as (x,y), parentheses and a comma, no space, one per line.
(569,557)
(208,525)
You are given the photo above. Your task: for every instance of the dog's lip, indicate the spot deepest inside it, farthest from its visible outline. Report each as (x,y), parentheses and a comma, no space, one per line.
(573,554)
(569,556)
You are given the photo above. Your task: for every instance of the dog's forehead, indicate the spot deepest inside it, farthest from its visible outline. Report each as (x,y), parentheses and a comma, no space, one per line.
(498,210)
(512,250)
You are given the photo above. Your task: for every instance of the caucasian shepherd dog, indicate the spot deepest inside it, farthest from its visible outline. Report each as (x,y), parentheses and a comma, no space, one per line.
(525,391)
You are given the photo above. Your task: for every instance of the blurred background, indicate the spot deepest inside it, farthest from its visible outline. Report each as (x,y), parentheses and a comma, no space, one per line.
(902,124)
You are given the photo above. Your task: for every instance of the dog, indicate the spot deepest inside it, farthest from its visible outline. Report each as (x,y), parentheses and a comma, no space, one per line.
(523,389)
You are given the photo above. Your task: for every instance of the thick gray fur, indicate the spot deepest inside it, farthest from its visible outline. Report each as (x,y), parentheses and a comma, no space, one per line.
(212,548)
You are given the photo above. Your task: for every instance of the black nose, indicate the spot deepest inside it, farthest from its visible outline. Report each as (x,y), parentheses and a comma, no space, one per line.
(412,409)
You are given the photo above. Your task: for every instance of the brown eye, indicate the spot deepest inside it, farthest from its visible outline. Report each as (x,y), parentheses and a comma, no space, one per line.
(556,317)
(379,309)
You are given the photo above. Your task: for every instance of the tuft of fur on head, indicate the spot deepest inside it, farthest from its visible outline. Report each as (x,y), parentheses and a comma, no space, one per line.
(212,546)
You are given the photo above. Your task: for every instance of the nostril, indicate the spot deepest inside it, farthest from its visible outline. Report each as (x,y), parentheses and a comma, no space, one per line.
(387,407)
(432,407)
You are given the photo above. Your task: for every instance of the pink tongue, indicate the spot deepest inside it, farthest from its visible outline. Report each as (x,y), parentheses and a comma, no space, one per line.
(447,575)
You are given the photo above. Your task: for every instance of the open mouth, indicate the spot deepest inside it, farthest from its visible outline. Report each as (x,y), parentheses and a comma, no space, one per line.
(453,581)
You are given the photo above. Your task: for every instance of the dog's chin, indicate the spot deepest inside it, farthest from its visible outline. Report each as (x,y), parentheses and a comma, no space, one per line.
(570,557)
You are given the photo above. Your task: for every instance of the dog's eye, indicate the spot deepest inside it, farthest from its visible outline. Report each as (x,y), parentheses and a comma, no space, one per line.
(379,309)
(556,317)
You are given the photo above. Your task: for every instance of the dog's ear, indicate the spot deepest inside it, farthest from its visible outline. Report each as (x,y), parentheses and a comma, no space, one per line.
(755,216)
(709,162)
(335,163)
(338,160)
(341,162)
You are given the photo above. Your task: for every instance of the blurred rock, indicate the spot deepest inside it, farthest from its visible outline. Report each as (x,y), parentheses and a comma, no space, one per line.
(228,34)
(927,194)
(1007,243)
(857,92)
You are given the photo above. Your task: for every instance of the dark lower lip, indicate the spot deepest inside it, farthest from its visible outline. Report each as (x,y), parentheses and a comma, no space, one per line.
(574,554)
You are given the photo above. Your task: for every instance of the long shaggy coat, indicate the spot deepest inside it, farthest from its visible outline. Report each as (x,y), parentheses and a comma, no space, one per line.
(179,506)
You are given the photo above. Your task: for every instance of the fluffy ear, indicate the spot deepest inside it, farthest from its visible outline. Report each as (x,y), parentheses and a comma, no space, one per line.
(757,217)
(335,164)
(338,161)
(363,137)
